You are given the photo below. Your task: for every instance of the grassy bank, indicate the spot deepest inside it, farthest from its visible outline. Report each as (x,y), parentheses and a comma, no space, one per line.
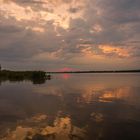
(34,76)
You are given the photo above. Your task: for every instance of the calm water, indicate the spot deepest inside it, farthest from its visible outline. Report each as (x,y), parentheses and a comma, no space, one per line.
(72,107)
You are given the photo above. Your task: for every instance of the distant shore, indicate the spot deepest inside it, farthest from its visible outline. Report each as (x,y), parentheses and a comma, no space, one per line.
(107,71)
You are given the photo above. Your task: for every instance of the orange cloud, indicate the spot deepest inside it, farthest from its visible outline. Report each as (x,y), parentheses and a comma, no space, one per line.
(109,49)
(59,12)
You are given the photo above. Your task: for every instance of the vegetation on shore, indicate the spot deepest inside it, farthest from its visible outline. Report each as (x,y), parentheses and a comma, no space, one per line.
(109,71)
(37,77)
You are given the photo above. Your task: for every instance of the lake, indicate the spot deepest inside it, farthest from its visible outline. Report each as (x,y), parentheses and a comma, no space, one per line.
(72,107)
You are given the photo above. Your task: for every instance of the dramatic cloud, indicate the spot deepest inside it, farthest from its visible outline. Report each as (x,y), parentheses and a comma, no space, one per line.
(84,34)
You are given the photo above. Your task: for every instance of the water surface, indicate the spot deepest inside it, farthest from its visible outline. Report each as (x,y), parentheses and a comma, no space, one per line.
(72,107)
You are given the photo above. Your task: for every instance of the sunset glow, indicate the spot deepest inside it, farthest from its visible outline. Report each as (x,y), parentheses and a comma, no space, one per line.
(67,33)
(108,49)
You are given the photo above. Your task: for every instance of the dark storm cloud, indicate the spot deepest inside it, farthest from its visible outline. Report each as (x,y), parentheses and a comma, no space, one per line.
(26,1)
(119,11)
(118,18)
(73,10)
(9,29)
(20,44)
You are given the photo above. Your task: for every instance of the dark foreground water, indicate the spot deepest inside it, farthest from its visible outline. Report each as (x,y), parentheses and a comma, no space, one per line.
(72,107)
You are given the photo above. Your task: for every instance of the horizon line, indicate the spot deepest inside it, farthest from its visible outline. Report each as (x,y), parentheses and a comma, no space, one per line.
(96,71)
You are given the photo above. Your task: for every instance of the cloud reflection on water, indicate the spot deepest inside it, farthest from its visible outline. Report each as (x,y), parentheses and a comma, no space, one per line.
(102,105)
(61,129)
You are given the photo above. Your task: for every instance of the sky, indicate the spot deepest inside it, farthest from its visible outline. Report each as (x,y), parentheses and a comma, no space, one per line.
(55,35)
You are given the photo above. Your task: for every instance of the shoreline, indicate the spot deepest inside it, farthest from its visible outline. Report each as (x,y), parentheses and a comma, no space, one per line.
(37,77)
(114,71)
